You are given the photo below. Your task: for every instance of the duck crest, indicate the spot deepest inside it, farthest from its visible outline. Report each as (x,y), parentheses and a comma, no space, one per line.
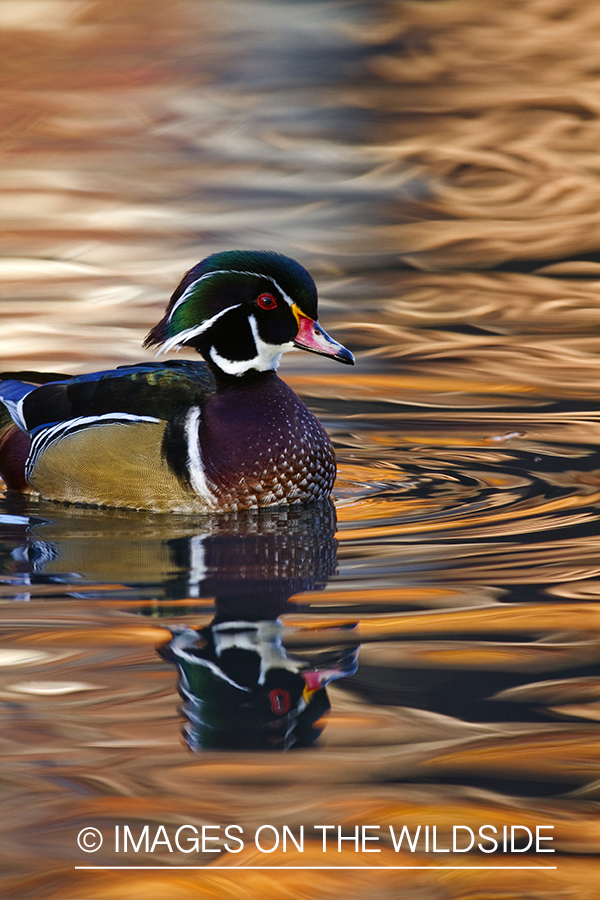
(218,435)
(223,282)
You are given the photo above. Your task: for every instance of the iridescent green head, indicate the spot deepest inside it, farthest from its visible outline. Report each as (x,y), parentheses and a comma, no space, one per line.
(241,309)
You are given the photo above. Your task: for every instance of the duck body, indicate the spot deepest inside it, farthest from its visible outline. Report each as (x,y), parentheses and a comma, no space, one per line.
(282,453)
(185,436)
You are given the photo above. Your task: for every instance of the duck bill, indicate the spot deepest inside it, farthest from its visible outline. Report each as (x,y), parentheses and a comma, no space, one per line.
(315,339)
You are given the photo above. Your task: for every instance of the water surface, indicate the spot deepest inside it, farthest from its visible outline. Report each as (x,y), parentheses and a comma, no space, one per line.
(435,166)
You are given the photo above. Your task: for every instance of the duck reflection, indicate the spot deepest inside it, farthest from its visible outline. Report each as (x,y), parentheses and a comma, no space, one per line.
(257,558)
(241,689)
(264,555)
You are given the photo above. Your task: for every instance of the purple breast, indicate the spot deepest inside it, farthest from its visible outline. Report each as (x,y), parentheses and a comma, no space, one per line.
(261,446)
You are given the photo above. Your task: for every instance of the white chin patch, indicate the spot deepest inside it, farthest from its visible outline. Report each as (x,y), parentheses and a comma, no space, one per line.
(267,355)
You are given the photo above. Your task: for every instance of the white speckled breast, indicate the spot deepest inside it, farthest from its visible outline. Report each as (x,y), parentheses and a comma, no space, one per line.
(260,445)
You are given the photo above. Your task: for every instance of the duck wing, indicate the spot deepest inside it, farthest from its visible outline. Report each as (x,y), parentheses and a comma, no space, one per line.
(68,440)
(157,390)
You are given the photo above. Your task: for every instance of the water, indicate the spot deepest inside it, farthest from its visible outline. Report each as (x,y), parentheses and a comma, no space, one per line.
(435,166)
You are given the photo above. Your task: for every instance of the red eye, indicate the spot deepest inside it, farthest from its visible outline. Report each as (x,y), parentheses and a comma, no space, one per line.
(280,701)
(266,301)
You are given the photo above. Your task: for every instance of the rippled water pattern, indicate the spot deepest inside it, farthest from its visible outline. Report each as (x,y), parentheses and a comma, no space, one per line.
(435,166)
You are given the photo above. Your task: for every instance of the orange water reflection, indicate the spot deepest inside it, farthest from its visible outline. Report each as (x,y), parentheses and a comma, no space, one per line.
(435,166)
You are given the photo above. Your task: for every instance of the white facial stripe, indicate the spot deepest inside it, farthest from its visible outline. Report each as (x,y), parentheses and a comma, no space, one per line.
(232,367)
(178,340)
(186,294)
(285,296)
(267,355)
(188,291)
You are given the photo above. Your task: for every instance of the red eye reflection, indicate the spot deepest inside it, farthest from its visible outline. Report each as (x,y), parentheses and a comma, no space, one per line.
(266,301)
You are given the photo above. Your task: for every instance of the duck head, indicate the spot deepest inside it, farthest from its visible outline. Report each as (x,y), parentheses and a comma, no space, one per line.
(241,309)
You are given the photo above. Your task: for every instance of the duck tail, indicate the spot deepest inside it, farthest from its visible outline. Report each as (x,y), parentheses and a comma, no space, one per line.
(14,441)
(14,450)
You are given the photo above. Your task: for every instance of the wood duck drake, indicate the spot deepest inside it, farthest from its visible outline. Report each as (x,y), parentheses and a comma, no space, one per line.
(184,436)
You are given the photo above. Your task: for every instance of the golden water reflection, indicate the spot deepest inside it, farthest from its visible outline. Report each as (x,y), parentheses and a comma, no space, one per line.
(435,165)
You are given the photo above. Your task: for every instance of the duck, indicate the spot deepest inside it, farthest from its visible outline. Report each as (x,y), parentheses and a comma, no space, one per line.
(219,434)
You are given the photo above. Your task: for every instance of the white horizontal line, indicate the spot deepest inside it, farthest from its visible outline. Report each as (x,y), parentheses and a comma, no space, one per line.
(209,868)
